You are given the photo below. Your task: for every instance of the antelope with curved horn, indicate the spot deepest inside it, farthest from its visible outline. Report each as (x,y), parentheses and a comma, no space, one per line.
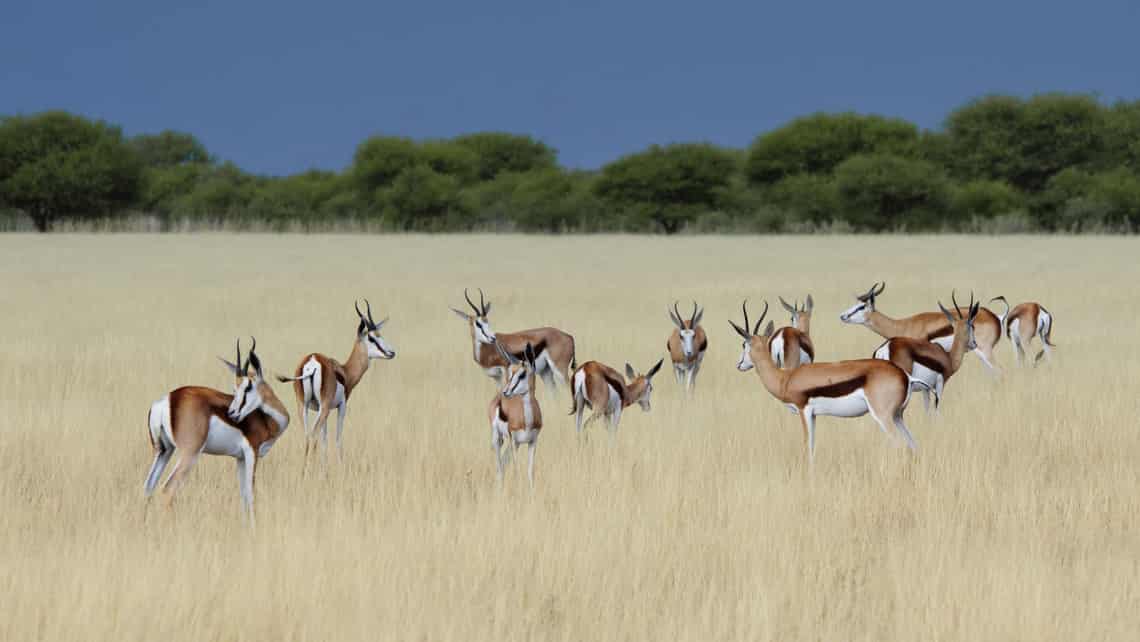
(1022,323)
(321,383)
(515,415)
(553,348)
(687,345)
(603,390)
(791,346)
(193,420)
(927,361)
(839,389)
(927,326)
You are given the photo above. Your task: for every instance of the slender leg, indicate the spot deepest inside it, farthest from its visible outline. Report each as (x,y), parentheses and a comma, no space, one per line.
(926,400)
(530,460)
(177,477)
(898,418)
(693,376)
(987,359)
(245,466)
(1017,350)
(679,373)
(161,459)
(341,411)
(807,416)
(580,406)
(939,383)
(497,446)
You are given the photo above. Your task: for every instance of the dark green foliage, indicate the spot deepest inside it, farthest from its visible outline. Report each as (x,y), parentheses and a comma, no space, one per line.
(817,144)
(670,185)
(169,148)
(984,199)
(1076,200)
(499,152)
(810,197)
(886,192)
(421,198)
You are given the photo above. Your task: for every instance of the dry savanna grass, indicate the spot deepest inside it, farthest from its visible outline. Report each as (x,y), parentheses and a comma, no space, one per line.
(1018,519)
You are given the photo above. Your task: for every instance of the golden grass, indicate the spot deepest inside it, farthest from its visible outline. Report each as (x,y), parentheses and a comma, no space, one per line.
(1019,519)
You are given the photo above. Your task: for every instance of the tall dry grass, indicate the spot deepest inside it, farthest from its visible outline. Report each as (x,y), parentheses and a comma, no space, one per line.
(1019,518)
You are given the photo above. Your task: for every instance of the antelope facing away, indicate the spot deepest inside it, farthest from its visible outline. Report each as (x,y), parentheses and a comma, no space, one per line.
(687,346)
(928,326)
(553,348)
(515,415)
(791,346)
(193,420)
(928,362)
(603,390)
(321,383)
(839,389)
(1022,323)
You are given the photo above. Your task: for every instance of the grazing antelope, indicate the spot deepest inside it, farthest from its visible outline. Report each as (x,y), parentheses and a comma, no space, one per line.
(791,346)
(1022,323)
(927,361)
(321,383)
(928,326)
(839,389)
(553,348)
(514,412)
(602,389)
(687,345)
(193,420)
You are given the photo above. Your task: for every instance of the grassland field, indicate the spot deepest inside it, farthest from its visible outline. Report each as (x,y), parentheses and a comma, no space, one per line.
(1017,519)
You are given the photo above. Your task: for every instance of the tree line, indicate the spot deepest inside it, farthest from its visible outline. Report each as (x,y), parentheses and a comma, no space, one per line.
(1052,162)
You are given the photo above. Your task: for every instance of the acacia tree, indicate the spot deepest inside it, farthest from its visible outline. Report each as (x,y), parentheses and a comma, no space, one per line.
(55,164)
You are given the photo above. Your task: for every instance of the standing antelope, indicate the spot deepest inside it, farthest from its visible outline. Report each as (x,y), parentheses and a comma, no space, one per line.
(928,326)
(687,346)
(839,389)
(791,346)
(193,420)
(1022,323)
(321,383)
(514,412)
(602,389)
(927,361)
(553,348)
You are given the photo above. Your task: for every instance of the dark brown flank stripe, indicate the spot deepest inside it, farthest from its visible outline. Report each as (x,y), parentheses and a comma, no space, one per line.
(616,384)
(538,348)
(805,345)
(840,389)
(932,364)
(502,417)
(340,379)
(944,331)
(704,344)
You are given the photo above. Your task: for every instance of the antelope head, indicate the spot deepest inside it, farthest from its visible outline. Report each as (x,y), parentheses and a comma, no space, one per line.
(368,332)
(641,385)
(520,372)
(859,313)
(247,386)
(963,326)
(480,327)
(801,316)
(754,341)
(687,329)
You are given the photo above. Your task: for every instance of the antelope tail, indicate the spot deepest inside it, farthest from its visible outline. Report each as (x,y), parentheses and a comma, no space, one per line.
(1004,315)
(1047,331)
(577,391)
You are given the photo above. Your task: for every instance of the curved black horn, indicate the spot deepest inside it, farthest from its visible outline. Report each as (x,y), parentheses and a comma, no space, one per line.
(677,313)
(744,306)
(251,359)
(482,303)
(756,330)
(478,312)
(368,306)
(356,304)
(882,286)
(237,364)
(954,300)
(693,318)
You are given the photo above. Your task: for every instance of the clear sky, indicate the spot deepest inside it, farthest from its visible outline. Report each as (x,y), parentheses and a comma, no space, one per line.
(283,86)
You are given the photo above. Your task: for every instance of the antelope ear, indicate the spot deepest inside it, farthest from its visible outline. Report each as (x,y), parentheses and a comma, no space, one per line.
(808,305)
(654,369)
(462,315)
(949,317)
(629,373)
(977,308)
(770,329)
(741,331)
(256,363)
(675,320)
(233,368)
(530,356)
(487,309)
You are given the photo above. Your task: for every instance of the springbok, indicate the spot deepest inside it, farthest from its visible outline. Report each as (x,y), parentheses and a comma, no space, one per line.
(602,389)
(1022,323)
(553,348)
(514,412)
(928,326)
(928,362)
(321,383)
(791,346)
(839,389)
(193,420)
(687,345)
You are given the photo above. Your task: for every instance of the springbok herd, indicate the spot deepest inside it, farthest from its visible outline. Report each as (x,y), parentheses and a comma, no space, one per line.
(921,352)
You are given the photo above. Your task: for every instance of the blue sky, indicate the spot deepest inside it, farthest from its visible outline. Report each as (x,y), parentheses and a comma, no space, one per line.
(280,87)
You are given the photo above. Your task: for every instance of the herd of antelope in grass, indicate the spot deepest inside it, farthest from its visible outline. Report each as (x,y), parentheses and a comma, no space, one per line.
(921,353)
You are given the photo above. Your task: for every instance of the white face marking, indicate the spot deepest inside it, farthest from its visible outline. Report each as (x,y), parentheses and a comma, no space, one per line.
(518,381)
(246,400)
(687,342)
(483,331)
(745,363)
(378,348)
(857,313)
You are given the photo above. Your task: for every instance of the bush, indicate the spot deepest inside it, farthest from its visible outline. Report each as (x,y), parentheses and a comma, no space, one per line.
(421,198)
(813,199)
(1079,201)
(984,199)
(500,152)
(881,192)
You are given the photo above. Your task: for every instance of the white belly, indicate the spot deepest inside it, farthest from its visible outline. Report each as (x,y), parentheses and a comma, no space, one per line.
(223,439)
(924,374)
(338,398)
(524,436)
(852,405)
(944,342)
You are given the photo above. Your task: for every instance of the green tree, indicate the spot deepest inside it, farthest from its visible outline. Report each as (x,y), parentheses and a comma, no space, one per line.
(421,198)
(668,186)
(55,164)
(810,197)
(169,148)
(224,192)
(1075,199)
(984,199)
(380,159)
(880,192)
(817,144)
(499,152)
(1122,136)
(451,159)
